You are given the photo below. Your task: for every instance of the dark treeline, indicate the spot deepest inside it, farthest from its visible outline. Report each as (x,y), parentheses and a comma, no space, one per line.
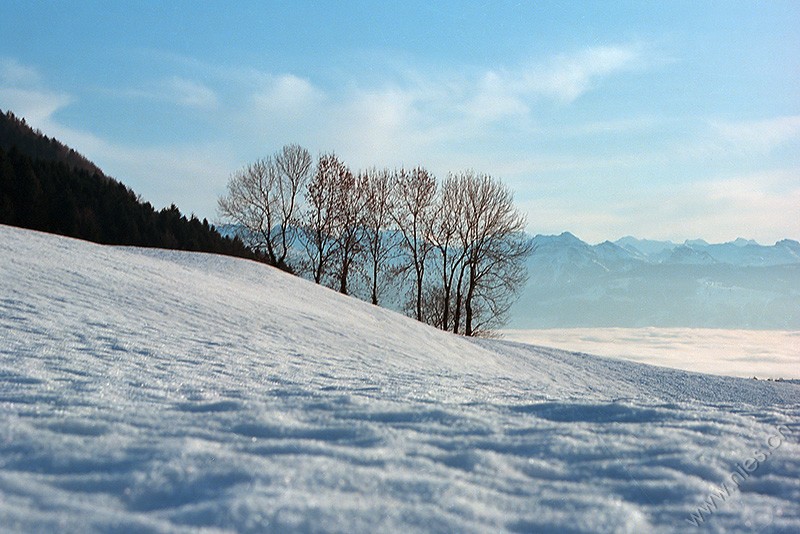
(48,187)
(452,250)
(15,132)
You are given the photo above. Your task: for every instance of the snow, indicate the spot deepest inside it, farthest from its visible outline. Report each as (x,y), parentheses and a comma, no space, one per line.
(157,391)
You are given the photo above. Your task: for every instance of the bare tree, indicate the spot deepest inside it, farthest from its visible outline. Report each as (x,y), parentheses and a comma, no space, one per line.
(499,277)
(415,197)
(252,203)
(379,241)
(293,164)
(348,222)
(450,255)
(493,236)
(319,219)
(262,200)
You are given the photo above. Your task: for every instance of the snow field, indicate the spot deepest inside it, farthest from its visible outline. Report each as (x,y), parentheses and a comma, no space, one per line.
(161,391)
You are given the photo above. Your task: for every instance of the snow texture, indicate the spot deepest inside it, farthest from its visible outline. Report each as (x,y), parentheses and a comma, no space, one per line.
(155,391)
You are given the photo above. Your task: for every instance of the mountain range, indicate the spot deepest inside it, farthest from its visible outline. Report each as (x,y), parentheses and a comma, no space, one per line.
(741,252)
(638,282)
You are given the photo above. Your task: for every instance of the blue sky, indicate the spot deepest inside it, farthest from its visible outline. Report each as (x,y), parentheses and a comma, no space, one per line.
(669,120)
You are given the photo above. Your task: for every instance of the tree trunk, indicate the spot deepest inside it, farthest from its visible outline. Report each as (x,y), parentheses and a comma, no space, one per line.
(420,273)
(468,303)
(375,283)
(446,310)
(446,291)
(343,276)
(459,296)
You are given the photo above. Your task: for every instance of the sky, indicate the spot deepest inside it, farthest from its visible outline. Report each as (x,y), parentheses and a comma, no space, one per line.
(663,120)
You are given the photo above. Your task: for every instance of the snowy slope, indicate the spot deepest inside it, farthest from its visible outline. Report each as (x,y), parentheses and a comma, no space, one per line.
(146,390)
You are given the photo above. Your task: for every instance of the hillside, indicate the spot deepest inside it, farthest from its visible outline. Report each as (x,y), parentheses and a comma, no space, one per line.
(15,132)
(46,186)
(166,391)
(636,283)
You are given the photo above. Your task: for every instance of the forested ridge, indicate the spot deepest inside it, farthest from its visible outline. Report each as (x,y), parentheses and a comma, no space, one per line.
(47,186)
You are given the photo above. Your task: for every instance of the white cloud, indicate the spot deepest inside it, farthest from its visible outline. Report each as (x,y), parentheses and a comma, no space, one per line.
(174,90)
(35,106)
(421,115)
(564,78)
(286,94)
(374,126)
(190,93)
(497,98)
(761,135)
(13,73)
(427,114)
(763,205)
(21,92)
(568,77)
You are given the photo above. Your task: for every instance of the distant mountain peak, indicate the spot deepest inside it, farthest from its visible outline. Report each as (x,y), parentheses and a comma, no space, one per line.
(742,242)
(686,255)
(630,251)
(644,247)
(611,247)
(569,236)
(563,239)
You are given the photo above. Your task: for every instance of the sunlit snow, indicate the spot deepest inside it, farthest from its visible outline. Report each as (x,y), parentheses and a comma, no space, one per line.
(147,390)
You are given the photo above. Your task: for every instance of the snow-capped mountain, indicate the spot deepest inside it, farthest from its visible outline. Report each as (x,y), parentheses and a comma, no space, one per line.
(633,282)
(689,255)
(740,252)
(563,257)
(647,247)
(144,390)
(614,256)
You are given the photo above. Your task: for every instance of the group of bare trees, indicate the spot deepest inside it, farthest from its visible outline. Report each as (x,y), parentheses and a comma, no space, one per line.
(263,199)
(453,251)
